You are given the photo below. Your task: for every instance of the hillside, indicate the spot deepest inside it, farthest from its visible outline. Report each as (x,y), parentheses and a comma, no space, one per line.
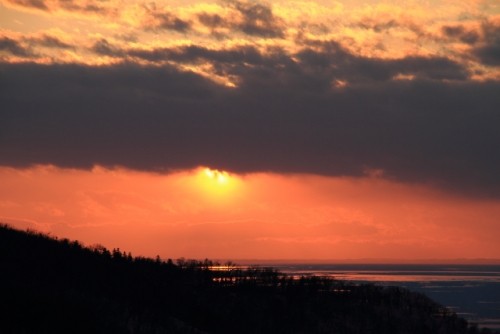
(59,286)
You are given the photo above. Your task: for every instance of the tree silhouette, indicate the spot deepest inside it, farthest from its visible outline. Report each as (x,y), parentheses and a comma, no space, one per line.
(59,286)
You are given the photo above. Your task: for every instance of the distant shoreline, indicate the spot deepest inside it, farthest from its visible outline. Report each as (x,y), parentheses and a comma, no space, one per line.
(271,262)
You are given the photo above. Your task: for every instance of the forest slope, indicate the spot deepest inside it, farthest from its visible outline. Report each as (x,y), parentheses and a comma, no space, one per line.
(59,286)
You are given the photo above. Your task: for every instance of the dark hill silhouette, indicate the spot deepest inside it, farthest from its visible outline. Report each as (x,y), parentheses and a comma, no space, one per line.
(59,286)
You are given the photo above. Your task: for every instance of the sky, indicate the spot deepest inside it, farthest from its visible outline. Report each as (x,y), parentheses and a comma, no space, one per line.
(309,130)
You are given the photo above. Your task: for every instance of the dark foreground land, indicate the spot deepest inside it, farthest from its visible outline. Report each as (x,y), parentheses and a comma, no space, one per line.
(59,286)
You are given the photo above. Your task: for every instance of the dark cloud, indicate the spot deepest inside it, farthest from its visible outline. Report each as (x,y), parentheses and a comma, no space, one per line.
(51,42)
(284,116)
(257,19)
(14,47)
(193,54)
(215,22)
(103,47)
(166,21)
(316,66)
(69,5)
(171,22)
(212,20)
(38,4)
(332,60)
(484,42)
(25,46)
(461,33)
(378,24)
(488,51)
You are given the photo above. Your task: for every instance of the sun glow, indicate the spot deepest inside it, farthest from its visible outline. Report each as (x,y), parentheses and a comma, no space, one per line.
(204,212)
(218,185)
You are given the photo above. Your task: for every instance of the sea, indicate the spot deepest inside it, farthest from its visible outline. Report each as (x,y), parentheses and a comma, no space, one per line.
(472,291)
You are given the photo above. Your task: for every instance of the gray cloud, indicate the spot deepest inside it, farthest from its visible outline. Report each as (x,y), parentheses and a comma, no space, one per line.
(461,33)
(25,46)
(89,8)
(169,21)
(484,42)
(257,20)
(103,47)
(14,47)
(193,53)
(284,116)
(70,5)
(50,42)
(488,51)
(320,63)
(38,4)
(331,59)
(379,24)
(212,20)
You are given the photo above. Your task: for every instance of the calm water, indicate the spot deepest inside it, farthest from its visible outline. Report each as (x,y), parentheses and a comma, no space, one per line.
(472,291)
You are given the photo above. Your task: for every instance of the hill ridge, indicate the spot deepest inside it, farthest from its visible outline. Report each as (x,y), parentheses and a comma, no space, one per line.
(59,286)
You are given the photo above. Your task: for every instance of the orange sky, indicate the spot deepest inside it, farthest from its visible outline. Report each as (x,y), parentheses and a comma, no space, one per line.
(256,216)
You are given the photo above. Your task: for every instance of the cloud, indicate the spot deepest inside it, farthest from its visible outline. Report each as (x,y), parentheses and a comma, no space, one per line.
(212,20)
(103,47)
(258,19)
(316,66)
(37,4)
(31,47)
(14,47)
(251,18)
(461,33)
(83,6)
(332,57)
(488,51)
(50,42)
(86,7)
(168,21)
(484,40)
(284,117)
(299,102)
(383,23)
(192,54)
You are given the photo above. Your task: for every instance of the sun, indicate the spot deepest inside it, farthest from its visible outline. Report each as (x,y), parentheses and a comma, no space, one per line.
(218,185)
(220,177)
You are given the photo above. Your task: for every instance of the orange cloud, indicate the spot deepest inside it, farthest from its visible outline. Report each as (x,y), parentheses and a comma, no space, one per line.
(389,30)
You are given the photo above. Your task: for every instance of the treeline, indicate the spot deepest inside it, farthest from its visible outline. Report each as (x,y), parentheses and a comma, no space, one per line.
(59,286)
